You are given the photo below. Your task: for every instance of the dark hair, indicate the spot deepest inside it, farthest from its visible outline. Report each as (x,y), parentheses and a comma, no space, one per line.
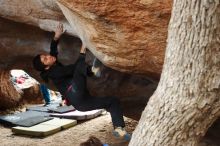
(38,65)
(92,141)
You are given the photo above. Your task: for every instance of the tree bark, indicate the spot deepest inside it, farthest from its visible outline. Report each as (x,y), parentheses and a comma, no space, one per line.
(187,100)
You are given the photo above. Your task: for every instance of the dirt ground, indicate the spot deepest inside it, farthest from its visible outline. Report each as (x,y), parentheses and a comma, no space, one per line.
(99,127)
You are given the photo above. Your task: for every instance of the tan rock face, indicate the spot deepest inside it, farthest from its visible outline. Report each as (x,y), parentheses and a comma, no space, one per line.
(127,36)
(41,13)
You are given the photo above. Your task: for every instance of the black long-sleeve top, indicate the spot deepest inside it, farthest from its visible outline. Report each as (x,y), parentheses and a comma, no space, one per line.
(61,75)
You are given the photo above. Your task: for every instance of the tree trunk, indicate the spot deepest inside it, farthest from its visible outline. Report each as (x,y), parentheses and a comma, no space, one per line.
(186,101)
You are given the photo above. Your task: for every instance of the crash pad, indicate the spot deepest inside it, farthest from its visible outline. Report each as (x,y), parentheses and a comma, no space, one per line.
(32,121)
(62,109)
(14,119)
(51,108)
(42,108)
(78,115)
(45,128)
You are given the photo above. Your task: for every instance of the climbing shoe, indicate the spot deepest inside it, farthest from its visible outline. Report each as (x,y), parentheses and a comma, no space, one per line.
(96,67)
(120,132)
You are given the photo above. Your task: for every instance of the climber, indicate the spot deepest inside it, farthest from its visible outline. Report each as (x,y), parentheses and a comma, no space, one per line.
(70,80)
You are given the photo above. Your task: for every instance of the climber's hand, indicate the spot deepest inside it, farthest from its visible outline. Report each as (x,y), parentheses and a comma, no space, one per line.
(83,49)
(59,31)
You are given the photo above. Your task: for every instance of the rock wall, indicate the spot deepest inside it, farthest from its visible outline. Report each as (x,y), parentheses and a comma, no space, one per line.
(20,41)
(125,35)
(128,36)
(44,14)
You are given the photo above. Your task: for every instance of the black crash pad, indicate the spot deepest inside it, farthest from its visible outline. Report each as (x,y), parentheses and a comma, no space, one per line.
(42,108)
(32,121)
(28,118)
(54,108)
(62,109)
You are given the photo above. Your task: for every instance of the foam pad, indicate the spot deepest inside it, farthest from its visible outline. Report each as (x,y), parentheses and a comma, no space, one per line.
(62,109)
(13,119)
(78,115)
(42,108)
(32,121)
(45,128)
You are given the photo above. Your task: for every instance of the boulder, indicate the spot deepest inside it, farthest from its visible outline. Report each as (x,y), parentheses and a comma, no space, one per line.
(129,36)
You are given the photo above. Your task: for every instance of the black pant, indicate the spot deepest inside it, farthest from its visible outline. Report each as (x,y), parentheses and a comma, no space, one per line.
(80,98)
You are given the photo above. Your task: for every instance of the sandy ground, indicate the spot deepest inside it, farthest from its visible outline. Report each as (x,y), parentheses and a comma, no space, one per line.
(99,127)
